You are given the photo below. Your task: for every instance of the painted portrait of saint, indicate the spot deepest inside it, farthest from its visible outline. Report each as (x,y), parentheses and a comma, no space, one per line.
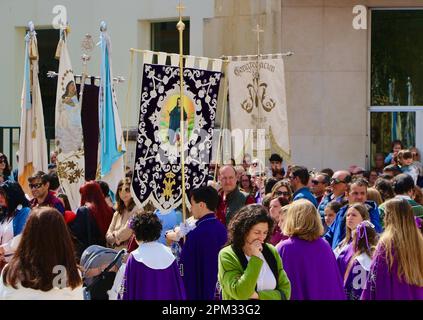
(170,124)
(69,125)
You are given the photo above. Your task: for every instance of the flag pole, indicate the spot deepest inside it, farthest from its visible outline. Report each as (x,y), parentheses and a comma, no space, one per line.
(181,27)
(258,30)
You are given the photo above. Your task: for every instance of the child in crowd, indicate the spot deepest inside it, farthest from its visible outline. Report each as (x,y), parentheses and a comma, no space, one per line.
(364,243)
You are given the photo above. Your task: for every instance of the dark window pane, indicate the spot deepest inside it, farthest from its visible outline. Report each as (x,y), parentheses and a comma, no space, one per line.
(397,57)
(165,37)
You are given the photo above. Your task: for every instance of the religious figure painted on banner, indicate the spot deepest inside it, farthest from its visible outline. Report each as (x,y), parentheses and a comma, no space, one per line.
(69,120)
(171,120)
(175,123)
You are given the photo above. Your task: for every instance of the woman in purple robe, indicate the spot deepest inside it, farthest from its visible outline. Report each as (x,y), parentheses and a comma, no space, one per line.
(151,271)
(308,259)
(364,240)
(396,271)
(356,214)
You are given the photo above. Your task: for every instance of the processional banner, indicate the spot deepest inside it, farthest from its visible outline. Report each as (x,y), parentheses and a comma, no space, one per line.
(69,139)
(157,171)
(257,104)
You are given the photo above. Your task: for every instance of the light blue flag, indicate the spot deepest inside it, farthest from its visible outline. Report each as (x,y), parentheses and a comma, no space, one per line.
(111,144)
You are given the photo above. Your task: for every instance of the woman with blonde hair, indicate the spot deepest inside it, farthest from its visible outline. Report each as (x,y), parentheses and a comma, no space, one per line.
(308,259)
(374,195)
(396,271)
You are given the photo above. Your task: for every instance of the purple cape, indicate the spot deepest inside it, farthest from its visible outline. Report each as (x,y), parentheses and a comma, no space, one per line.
(383,284)
(344,258)
(144,283)
(357,277)
(199,257)
(311,268)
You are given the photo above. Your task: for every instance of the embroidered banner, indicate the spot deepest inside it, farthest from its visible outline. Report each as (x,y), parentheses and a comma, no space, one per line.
(257,100)
(157,171)
(69,141)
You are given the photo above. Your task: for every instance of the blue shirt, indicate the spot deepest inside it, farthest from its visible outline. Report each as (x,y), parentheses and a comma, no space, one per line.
(336,231)
(304,193)
(325,201)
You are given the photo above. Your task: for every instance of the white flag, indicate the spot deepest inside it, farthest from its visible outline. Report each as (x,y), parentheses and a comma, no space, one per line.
(69,139)
(32,143)
(257,101)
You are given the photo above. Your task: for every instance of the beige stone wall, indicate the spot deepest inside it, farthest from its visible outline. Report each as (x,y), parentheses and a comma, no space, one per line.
(326,79)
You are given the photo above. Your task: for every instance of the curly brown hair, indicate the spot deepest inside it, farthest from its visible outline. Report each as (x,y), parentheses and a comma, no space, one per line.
(244,220)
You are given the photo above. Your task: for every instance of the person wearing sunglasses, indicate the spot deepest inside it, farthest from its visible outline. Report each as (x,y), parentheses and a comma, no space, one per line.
(119,233)
(339,185)
(15,209)
(319,183)
(299,177)
(282,189)
(39,183)
(5,167)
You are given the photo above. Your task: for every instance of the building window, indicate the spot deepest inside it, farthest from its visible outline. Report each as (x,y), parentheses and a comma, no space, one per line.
(396,78)
(165,37)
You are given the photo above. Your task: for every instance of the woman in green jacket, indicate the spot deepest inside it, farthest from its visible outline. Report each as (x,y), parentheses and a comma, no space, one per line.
(250,268)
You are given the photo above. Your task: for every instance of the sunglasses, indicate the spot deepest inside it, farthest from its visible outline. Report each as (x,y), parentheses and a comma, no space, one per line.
(282,193)
(2,161)
(35,185)
(126,189)
(316,182)
(336,181)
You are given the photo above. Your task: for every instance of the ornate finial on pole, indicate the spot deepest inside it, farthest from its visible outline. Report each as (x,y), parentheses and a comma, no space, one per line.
(31,26)
(103,26)
(87,45)
(181,27)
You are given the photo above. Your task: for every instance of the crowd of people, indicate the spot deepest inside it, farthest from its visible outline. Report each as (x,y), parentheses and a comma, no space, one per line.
(256,233)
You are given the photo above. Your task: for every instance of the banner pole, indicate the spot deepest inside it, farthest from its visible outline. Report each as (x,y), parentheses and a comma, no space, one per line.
(181,27)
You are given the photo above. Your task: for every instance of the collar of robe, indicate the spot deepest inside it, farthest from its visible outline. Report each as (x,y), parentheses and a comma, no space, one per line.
(154,255)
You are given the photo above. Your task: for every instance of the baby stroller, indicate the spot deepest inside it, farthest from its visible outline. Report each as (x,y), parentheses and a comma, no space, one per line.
(100,265)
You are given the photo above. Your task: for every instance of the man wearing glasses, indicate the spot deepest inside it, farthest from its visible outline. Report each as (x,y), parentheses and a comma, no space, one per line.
(298,178)
(319,184)
(39,184)
(339,185)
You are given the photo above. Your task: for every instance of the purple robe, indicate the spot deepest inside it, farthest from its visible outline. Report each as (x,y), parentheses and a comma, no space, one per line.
(311,268)
(152,274)
(344,258)
(199,257)
(357,277)
(383,284)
